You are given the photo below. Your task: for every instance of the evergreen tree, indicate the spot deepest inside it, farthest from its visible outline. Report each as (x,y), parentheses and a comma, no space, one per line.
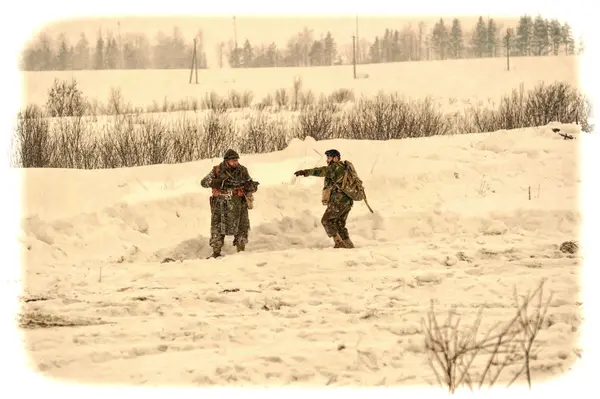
(439,39)
(180,52)
(235,56)
(136,52)
(272,56)
(99,52)
(39,56)
(480,39)
(375,51)
(111,52)
(555,35)
(540,40)
(396,50)
(456,39)
(64,56)
(524,36)
(567,39)
(81,58)
(492,38)
(293,55)
(316,54)
(330,49)
(247,55)
(386,46)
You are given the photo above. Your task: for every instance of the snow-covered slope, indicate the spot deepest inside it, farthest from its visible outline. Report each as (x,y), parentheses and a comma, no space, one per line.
(458,219)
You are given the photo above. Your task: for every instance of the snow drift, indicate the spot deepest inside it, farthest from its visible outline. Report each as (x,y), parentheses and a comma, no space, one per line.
(457,218)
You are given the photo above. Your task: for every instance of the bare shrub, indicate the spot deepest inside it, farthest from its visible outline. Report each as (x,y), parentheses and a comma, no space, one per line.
(119,145)
(186,142)
(116,104)
(453,351)
(132,140)
(266,102)
(95,107)
(212,101)
(237,100)
(583,112)
(193,104)
(32,145)
(296,93)
(281,98)
(544,104)
(65,99)
(262,135)
(154,142)
(219,135)
(306,99)
(388,117)
(428,121)
(75,146)
(341,96)
(556,102)
(321,122)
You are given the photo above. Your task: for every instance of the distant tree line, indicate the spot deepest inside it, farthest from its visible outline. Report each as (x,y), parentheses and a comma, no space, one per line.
(532,37)
(131,51)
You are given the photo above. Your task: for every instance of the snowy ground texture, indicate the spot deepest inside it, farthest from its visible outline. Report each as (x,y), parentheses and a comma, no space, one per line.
(453,222)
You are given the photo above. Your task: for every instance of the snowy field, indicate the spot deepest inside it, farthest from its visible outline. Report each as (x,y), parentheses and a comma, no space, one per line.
(452,84)
(458,219)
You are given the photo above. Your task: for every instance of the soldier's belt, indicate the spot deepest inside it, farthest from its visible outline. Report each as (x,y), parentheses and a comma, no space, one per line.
(227,193)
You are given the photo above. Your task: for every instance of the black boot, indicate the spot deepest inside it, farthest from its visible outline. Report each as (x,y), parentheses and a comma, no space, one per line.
(216,253)
(348,243)
(240,244)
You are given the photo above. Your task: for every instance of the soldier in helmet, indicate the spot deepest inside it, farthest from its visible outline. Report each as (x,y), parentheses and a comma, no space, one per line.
(232,188)
(338,203)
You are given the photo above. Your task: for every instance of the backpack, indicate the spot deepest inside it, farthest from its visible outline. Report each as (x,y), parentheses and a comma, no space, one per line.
(352,185)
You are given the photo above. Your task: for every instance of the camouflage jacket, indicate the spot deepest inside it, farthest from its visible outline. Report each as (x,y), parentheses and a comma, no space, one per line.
(333,174)
(231,177)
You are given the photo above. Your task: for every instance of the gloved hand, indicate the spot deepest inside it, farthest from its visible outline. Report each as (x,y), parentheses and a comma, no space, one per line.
(216,183)
(301,173)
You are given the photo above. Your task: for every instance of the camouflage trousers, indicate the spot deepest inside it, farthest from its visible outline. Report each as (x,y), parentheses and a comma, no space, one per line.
(334,219)
(217,240)
(229,216)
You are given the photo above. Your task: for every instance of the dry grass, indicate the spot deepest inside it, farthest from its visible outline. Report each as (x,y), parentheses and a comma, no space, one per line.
(453,352)
(131,138)
(543,104)
(35,319)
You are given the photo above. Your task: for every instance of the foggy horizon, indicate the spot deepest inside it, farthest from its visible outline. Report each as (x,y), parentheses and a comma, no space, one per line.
(277,29)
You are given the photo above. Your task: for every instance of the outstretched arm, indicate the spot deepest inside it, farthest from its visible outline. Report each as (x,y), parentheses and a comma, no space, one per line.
(320,171)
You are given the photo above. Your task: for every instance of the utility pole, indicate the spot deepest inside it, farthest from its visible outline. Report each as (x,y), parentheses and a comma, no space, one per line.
(235,33)
(194,64)
(354,54)
(357,40)
(221,56)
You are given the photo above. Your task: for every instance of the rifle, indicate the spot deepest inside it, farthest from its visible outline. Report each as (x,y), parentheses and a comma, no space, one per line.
(247,185)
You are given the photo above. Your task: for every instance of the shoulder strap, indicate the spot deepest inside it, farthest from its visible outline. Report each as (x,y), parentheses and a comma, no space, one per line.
(346,172)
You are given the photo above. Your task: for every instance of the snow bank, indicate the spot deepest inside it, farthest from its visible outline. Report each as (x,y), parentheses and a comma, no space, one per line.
(457,218)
